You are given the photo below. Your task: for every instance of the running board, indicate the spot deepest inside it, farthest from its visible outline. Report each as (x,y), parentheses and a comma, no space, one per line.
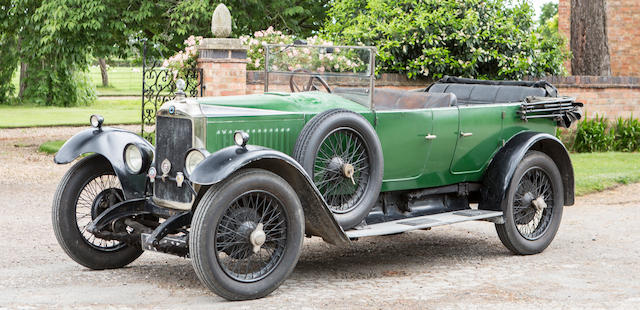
(426,221)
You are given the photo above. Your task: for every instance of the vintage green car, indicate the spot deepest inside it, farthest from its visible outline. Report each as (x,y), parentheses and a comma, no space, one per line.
(235,183)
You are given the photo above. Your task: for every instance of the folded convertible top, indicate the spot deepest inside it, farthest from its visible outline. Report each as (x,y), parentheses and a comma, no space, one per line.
(550,90)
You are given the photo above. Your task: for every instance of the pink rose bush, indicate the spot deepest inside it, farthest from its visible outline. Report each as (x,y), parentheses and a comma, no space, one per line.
(184,60)
(311,59)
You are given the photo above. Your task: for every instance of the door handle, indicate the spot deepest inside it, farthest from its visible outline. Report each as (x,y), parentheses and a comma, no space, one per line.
(430,137)
(466,134)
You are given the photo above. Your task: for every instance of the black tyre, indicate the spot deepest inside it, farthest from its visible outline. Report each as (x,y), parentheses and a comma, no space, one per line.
(341,152)
(246,235)
(533,205)
(86,190)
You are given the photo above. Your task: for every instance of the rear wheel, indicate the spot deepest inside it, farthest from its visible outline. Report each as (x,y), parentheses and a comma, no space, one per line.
(533,205)
(86,190)
(246,235)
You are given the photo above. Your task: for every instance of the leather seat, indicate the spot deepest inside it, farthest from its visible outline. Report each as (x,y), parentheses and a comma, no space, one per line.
(394,99)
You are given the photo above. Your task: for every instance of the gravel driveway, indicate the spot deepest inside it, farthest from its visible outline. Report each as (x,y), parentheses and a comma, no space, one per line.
(593,262)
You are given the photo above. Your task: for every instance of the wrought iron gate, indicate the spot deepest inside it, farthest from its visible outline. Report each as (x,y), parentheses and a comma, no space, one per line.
(159,86)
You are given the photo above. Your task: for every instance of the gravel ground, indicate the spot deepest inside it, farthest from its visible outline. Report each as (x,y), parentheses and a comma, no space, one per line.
(593,262)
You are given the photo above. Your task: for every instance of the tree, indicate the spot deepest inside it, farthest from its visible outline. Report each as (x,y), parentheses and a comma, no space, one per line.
(547,12)
(589,42)
(432,38)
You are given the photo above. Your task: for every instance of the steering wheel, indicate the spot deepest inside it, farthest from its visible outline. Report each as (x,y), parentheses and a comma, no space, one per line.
(310,85)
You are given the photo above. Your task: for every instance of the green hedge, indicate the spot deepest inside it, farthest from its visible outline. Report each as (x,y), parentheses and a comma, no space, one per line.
(494,39)
(599,134)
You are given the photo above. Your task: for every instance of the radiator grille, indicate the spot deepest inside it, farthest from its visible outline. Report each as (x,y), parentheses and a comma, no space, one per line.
(174,137)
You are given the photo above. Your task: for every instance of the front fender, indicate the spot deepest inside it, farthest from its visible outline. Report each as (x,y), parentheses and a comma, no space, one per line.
(319,220)
(503,165)
(110,143)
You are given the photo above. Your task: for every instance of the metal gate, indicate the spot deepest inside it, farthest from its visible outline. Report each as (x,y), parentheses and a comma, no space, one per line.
(159,86)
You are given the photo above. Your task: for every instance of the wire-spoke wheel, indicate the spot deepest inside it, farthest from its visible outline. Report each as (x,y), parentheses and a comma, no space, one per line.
(88,189)
(251,236)
(341,152)
(97,196)
(533,205)
(341,169)
(246,234)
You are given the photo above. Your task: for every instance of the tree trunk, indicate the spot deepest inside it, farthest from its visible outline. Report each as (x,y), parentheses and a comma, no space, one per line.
(23,71)
(103,71)
(589,43)
(23,79)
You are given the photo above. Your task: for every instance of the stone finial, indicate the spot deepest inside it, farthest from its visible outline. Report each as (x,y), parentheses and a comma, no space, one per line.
(221,22)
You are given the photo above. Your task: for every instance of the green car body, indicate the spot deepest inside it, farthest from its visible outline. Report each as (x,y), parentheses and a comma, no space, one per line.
(410,160)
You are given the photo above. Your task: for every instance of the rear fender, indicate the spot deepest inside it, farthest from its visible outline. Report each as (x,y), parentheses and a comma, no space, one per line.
(319,220)
(504,163)
(110,143)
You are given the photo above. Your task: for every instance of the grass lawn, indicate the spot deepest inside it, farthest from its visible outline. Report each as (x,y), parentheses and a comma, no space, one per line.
(599,171)
(114,112)
(51,147)
(123,81)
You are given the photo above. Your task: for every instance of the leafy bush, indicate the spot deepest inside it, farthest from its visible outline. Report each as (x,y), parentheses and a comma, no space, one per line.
(599,134)
(627,135)
(592,135)
(471,38)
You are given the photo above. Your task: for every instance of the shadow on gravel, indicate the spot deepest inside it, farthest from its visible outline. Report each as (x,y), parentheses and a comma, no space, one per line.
(375,257)
(397,255)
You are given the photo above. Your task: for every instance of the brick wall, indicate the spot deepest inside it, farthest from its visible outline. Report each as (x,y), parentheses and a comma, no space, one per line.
(610,96)
(623,31)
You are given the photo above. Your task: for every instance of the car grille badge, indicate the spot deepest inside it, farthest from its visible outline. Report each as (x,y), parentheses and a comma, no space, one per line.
(165,167)
(179,179)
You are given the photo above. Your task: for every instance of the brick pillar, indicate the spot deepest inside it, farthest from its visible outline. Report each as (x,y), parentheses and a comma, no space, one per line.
(224,66)
(564,27)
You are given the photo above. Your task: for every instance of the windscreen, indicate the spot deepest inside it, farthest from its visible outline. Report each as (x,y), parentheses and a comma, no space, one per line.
(342,70)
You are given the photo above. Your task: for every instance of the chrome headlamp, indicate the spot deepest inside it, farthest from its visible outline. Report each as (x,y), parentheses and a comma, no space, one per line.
(96,121)
(135,158)
(241,138)
(193,158)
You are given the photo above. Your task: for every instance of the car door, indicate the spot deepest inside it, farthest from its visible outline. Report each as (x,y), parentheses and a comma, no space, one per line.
(478,137)
(405,144)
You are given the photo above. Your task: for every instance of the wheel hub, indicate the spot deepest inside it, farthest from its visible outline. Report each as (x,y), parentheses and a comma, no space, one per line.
(336,164)
(347,171)
(257,238)
(539,203)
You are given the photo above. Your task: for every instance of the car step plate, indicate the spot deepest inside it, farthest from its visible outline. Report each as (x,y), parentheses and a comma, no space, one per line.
(422,222)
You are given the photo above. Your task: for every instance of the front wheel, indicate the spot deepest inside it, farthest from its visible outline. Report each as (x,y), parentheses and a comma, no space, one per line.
(533,205)
(246,235)
(89,188)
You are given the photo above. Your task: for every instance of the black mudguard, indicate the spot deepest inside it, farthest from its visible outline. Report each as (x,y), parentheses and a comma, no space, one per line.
(110,143)
(503,165)
(319,220)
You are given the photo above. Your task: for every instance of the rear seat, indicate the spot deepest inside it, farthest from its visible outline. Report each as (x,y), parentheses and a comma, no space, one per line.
(477,92)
